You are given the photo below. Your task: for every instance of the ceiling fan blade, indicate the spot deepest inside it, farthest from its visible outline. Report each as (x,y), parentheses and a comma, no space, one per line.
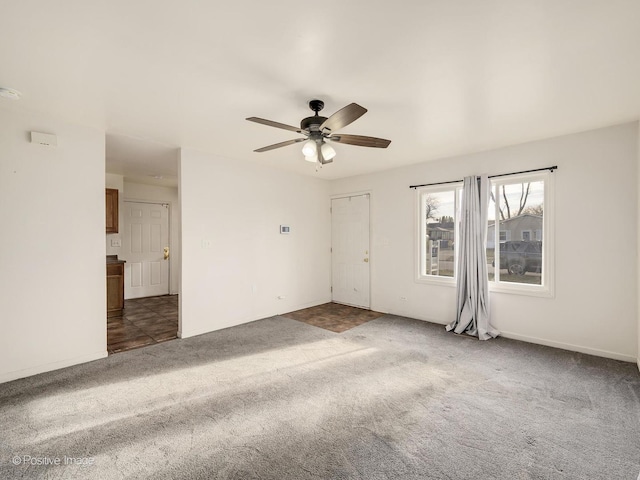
(271,123)
(361,140)
(281,144)
(343,117)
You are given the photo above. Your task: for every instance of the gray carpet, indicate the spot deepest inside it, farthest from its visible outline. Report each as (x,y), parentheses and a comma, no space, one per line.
(278,399)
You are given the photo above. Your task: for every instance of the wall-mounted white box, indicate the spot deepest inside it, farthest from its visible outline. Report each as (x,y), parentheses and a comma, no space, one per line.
(44,139)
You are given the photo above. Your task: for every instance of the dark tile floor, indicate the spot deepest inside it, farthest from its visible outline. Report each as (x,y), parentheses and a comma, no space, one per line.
(145,321)
(334,317)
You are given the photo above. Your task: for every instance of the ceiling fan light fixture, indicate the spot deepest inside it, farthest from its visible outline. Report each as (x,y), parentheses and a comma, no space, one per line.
(309,148)
(320,130)
(327,151)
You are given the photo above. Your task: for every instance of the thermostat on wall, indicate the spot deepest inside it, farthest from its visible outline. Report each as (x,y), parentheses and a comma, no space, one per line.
(284,229)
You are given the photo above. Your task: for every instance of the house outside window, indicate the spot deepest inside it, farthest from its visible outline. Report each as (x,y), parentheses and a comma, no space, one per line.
(522,207)
(438,213)
(519,253)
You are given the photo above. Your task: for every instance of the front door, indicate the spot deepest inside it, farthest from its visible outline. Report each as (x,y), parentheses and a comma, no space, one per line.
(146,249)
(350,250)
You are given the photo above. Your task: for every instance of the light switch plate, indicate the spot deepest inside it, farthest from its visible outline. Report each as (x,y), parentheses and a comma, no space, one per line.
(116,242)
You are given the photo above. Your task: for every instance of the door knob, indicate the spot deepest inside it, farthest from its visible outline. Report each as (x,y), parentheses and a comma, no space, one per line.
(366,260)
(166,253)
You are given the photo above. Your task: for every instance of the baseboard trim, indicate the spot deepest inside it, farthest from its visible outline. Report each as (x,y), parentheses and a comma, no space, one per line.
(571,347)
(48,367)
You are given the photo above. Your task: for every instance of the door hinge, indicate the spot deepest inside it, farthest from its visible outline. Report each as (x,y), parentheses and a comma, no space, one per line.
(331,249)
(331,288)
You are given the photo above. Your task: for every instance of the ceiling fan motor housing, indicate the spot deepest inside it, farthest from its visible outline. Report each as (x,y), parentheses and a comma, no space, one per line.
(312,124)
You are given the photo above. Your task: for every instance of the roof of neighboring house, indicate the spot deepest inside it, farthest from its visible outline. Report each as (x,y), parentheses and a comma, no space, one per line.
(445,225)
(517,217)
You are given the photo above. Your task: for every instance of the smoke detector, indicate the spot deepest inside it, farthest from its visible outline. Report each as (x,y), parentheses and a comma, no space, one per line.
(10,93)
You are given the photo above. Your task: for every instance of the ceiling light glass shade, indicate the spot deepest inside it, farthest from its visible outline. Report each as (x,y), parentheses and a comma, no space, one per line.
(311,158)
(309,148)
(327,151)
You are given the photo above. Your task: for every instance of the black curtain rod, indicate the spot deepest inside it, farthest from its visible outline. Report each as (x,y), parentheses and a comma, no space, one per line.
(551,169)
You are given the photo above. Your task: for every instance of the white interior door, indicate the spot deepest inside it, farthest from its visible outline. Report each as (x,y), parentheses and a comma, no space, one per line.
(350,250)
(146,235)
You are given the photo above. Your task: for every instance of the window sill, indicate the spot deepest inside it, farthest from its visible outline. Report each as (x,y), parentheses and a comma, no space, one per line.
(521,289)
(434,280)
(514,289)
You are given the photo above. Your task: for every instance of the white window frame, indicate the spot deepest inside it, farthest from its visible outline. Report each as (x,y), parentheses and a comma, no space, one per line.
(522,235)
(420,223)
(547,289)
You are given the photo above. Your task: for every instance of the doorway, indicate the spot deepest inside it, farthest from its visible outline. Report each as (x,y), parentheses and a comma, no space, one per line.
(350,251)
(146,176)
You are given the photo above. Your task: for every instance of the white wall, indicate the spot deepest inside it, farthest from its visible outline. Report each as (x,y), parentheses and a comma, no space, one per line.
(52,246)
(115,181)
(235,263)
(595,307)
(152,193)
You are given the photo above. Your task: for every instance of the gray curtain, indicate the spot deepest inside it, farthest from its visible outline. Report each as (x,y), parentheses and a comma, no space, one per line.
(472,282)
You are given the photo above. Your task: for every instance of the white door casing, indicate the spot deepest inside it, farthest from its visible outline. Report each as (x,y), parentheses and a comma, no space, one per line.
(350,250)
(146,235)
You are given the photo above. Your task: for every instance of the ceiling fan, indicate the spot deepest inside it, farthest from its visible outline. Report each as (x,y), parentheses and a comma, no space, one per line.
(317,130)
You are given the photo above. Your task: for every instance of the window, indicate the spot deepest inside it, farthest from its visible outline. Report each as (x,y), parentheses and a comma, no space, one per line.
(521,207)
(519,250)
(438,209)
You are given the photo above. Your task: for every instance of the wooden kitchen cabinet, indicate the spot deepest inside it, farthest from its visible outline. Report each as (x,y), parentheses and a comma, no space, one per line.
(112,209)
(115,286)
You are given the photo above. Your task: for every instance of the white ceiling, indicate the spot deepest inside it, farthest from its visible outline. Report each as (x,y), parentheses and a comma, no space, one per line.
(439,77)
(142,161)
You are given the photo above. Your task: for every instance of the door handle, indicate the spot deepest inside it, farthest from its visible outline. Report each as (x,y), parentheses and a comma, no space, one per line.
(366,260)
(166,253)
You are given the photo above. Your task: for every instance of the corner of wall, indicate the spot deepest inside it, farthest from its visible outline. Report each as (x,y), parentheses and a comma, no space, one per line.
(638,247)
